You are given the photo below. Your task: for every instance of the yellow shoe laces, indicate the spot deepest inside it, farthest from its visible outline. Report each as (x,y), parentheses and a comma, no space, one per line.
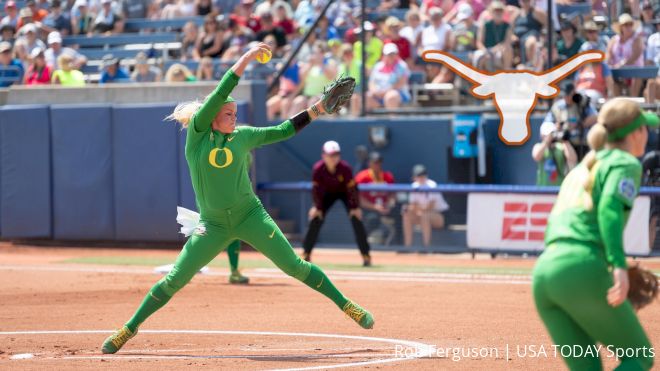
(354,311)
(121,337)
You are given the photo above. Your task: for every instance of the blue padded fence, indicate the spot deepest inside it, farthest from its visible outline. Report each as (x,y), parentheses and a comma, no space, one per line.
(25,176)
(93,172)
(83,206)
(145,206)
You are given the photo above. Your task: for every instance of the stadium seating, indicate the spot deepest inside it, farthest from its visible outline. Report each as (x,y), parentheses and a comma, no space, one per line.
(120,39)
(635,72)
(142,24)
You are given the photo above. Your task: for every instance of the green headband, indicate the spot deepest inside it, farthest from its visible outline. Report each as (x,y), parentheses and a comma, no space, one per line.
(229,100)
(644,118)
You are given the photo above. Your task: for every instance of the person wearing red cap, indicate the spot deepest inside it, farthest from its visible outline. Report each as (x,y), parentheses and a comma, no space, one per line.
(332,180)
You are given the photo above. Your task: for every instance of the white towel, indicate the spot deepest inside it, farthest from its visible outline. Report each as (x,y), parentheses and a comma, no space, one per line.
(189,221)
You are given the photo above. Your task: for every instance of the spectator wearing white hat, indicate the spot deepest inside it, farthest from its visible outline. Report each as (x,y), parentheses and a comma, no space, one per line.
(82,21)
(424,208)
(55,49)
(554,156)
(388,81)
(38,72)
(29,32)
(626,49)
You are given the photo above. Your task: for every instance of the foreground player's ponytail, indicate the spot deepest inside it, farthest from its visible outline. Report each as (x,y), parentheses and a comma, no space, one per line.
(184,112)
(596,138)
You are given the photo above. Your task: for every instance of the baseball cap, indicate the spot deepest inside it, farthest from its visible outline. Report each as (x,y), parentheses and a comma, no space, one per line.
(54,37)
(419,170)
(464,12)
(390,48)
(547,128)
(591,26)
(79,3)
(106,2)
(109,60)
(30,27)
(10,4)
(331,147)
(5,46)
(36,52)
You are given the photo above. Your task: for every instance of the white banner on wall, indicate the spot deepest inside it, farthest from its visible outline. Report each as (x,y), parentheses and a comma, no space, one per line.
(510,221)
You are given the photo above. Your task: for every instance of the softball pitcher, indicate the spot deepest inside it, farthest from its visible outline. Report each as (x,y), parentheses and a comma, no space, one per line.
(217,154)
(580,282)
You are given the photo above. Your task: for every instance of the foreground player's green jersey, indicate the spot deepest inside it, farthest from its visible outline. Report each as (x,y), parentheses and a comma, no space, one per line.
(597,216)
(219,162)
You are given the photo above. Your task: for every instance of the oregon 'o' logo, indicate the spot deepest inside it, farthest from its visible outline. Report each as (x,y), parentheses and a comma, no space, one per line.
(228,155)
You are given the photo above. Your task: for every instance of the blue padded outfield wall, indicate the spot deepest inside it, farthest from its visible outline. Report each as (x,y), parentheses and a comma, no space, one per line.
(117,172)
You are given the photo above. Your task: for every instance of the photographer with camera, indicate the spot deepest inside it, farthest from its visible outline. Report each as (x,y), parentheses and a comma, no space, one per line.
(573,114)
(554,156)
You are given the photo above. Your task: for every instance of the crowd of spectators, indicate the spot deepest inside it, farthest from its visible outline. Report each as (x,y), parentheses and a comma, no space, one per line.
(490,34)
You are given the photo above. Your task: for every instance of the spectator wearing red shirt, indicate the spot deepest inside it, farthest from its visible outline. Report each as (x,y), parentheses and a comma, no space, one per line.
(377,205)
(283,19)
(332,180)
(245,16)
(38,72)
(392,27)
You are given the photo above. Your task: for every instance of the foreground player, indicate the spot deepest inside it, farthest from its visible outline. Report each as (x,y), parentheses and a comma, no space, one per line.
(578,299)
(217,154)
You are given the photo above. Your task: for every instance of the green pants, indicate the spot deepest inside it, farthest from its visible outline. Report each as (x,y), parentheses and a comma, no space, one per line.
(248,222)
(570,284)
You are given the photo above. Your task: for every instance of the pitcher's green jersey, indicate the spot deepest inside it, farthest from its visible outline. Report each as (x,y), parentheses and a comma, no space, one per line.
(219,162)
(597,216)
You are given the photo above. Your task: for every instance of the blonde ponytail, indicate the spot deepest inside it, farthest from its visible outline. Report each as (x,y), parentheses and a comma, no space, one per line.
(184,112)
(596,138)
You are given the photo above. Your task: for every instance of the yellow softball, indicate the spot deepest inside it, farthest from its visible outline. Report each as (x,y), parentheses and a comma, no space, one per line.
(264,56)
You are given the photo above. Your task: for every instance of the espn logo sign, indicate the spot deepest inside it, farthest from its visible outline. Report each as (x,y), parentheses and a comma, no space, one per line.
(525,221)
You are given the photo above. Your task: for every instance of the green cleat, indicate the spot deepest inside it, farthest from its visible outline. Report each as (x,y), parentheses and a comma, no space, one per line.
(236,278)
(117,340)
(359,315)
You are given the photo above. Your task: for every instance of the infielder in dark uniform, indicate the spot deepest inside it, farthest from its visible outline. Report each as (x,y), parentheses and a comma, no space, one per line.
(332,180)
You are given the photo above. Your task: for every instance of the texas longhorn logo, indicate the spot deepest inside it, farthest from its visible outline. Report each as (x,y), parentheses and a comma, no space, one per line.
(515,92)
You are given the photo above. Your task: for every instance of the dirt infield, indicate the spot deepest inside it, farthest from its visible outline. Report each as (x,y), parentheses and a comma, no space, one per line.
(451,312)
